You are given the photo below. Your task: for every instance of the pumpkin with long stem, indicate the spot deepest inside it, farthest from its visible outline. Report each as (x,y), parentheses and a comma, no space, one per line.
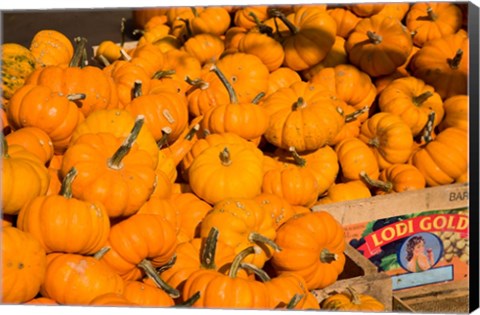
(307,36)
(23,265)
(154,240)
(283,288)
(218,290)
(242,223)
(65,220)
(112,170)
(355,156)
(234,116)
(396,178)
(313,247)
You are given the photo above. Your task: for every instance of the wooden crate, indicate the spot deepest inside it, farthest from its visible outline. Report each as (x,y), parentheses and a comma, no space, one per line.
(361,275)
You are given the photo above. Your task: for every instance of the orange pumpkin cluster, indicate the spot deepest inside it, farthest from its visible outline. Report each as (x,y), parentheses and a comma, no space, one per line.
(157,174)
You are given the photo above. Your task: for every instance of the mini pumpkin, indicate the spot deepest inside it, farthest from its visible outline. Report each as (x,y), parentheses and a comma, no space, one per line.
(352,301)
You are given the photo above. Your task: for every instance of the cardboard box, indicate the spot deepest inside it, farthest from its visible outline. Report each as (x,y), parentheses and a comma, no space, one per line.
(419,238)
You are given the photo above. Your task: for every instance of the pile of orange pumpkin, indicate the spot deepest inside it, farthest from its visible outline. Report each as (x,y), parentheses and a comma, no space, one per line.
(182,171)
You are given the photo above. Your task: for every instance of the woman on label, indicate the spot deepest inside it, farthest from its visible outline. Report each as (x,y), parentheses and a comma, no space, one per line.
(418,259)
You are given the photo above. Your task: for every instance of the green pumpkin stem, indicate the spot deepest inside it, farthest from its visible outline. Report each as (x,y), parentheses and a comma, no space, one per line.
(257,98)
(194,10)
(197,83)
(354,298)
(207,259)
(294,301)
(163,74)
(353,116)
(425,136)
(168,265)
(115,162)
(79,51)
(418,100)
(374,38)
(300,103)
(99,255)
(276,13)
(190,301)
(300,161)
(455,61)
(228,86)
(4,147)
(188,28)
(328,257)
(150,271)
(66,189)
(239,258)
(137,89)
(431,15)
(166,131)
(385,186)
(264,29)
(192,132)
(259,238)
(225,157)
(262,274)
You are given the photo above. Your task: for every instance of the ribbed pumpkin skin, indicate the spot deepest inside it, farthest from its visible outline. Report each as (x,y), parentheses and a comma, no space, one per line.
(445,158)
(34,178)
(303,238)
(17,64)
(66,224)
(72,279)
(23,265)
(51,47)
(59,116)
(34,140)
(456,112)
(344,302)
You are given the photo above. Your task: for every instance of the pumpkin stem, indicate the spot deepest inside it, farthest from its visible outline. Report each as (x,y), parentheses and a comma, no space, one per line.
(122,31)
(426,133)
(150,271)
(166,131)
(257,271)
(327,257)
(374,142)
(77,97)
(66,189)
(4,147)
(239,258)
(455,61)
(124,55)
(188,28)
(225,157)
(374,38)
(294,301)
(431,15)
(99,255)
(168,265)
(276,13)
(262,28)
(163,74)
(190,301)
(78,54)
(137,89)
(418,100)
(258,98)
(353,116)
(207,260)
(228,86)
(194,10)
(385,186)
(354,298)
(197,83)
(103,60)
(115,162)
(300,161)
(192,132)
(259,238)
(300,103)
